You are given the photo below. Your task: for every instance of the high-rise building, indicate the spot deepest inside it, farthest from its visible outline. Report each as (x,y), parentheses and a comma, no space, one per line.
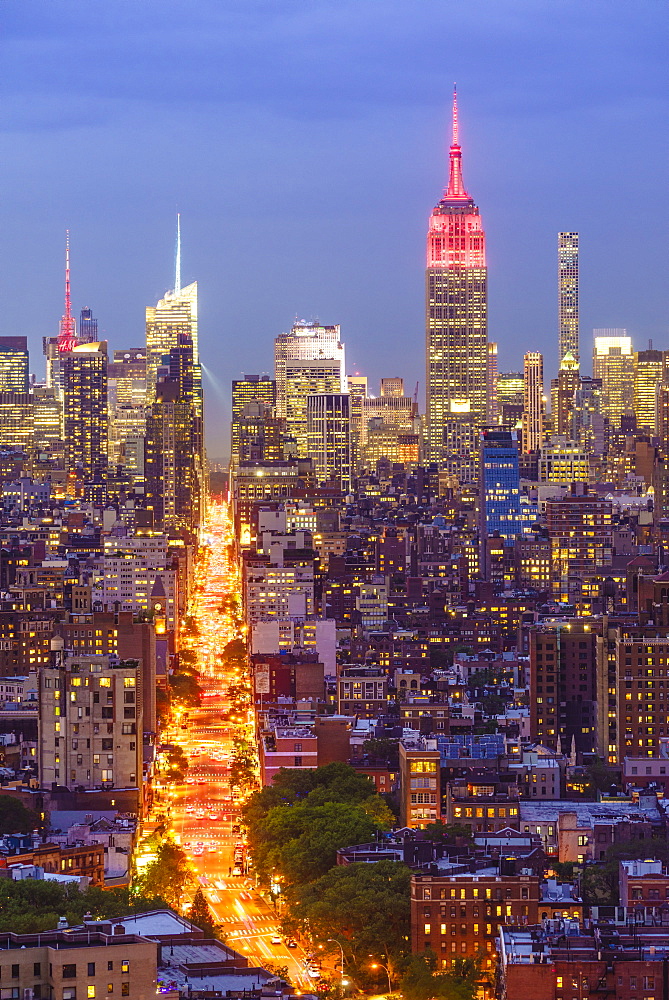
(493,375)
(357,390)
(589,426)
(456,323)
(306,342)
(253,405)
(174,315)
(90,721)
(173,445)
(88,326)
(84,374)
(16,420)
(563,685)
(47,418)
(499,484)
(581,536)
(392,387)
(562,394)
(651,370)
(568,295)
(13,364)
(304,378)
(533,401)
(613,363)
(328,437)
(563,461)
(126,379)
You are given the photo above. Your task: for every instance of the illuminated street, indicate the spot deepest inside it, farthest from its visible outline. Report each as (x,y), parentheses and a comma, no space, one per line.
(205,810)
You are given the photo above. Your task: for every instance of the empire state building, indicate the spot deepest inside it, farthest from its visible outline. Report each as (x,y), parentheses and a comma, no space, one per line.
(456,326)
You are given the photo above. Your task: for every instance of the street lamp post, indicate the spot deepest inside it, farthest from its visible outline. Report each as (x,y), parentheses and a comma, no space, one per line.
(341,951)
(380,965)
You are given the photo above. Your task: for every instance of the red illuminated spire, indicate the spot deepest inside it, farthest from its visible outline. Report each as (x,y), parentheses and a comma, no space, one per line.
(67,337)
(456,187)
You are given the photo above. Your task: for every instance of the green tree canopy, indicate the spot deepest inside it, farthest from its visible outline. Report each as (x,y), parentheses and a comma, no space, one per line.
(200,913)
(366,907)
(448,833)
(15,817)
(166,876)
(421,982)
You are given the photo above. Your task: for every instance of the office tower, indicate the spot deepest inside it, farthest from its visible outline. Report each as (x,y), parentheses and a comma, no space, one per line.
(328,437)
(499,484)
(568,295)
(357,390)
(90,721)
(253,404)
(176,313)
(510,396)
(304,378)
(563,685)
(126,379)
(493,375)
(88,327)
(13,364)
(392,387)
(456,324)
(588,426)
(533,401)
(563,461)
(16,420)
(651,370)
(47,418)
(306,342)
(84,374)
(613,363)
(173,444)
(389,430)
(562,394)
(581,536)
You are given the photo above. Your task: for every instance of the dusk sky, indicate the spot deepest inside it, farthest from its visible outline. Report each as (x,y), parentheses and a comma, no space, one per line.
(305,143)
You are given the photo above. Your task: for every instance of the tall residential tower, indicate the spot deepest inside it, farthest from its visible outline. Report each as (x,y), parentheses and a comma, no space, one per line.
(456,325)
(567,295)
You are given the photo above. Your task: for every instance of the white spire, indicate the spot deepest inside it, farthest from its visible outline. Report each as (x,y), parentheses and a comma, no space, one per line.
(177,268)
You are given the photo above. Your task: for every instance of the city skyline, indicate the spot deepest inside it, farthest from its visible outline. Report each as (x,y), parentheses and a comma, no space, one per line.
(376,137)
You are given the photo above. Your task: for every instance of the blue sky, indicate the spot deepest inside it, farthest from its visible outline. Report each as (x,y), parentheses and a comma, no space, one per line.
(305,142)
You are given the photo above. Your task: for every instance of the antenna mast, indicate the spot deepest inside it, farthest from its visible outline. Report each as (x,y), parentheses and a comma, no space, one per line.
(67,336)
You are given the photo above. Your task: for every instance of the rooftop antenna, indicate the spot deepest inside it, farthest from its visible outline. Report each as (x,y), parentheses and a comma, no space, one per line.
(67,338)
(177,268)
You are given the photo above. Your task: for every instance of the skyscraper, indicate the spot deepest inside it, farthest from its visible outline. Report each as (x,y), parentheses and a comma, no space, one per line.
(84,374)
(533,403)
(562,394)
(567,295)
(493,376)
(651,370)
(304,378)
(88,326)
(306,342)
(174,314)
(328,436)
(613,363)
(13,364)
(456,323)
(499,484)
(253,402)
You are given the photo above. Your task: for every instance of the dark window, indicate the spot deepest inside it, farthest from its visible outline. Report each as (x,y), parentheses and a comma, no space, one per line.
(37,969)
(107,744)
(15,972)
(128,713)
(110,966)
(125,989)
(107,713)
(69,972)
(91,968)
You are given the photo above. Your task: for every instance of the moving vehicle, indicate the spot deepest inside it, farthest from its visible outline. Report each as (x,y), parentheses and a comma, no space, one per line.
(276,939)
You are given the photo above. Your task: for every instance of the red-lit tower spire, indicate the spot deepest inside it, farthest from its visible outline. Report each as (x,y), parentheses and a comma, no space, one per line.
(67,337)
(456,323)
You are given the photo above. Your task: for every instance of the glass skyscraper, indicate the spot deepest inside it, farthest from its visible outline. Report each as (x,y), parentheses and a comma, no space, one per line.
(499,483)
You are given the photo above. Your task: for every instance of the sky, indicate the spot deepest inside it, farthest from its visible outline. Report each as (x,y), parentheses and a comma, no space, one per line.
(304,143)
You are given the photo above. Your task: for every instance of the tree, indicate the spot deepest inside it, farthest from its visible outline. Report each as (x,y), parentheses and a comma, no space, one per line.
(15,817)
(448,833)
(388,750)
(421,982)
(200,913)
(300,843)
(366,906)
(167,875)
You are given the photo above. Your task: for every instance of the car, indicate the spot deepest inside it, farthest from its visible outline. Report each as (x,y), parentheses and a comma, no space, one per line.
(236,870)
(275,939)
(290,943)
(313,972)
